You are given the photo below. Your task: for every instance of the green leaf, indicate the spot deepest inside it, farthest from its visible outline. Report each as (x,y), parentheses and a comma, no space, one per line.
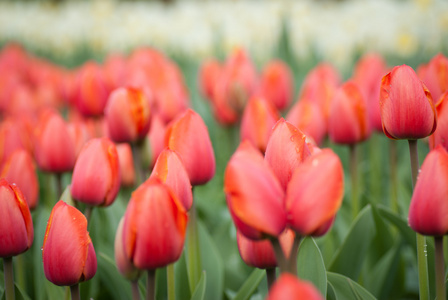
(310,265)
(110,277)
(345,288)
(401,224)
(199,291)
(67,196)
(250,285)
(353,251)
(180,273)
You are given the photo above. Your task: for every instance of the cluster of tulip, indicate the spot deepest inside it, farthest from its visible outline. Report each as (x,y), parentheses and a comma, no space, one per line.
(127,123)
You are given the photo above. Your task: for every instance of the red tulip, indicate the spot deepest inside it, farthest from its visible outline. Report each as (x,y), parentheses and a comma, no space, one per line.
(12,137)
(258,119)
(315,193)
(124,265)
(440,135)
(126,161)
(348,122)
(16,225)
(286,150)
(407,109)
(208,74)
(96,177)
(128,115)
(254,195)
(289,287)
(260,254)
(156,139)
(435,76)
(154,227)
(428,209)
(54,146)
(188,136)
(68,253)
(80,133)
(277,84)
(19,169)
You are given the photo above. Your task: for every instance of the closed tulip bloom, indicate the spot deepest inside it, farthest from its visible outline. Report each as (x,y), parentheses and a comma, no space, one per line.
(80,133)
(348,122)
(289,287)
(254,195)
(20,169)
(13,136)
(286,149)
(171,171)
(128,115)
(154,227)
(277,84)
(155,139)
(208,74)
(315,193)
(16,225)
(96,177)
(189,137)
(260,254)
(440,136)
(54,146)
(435,76)
(428,209)
(124,265)
(126,160)
(407,109)
(68,254)
(258,119)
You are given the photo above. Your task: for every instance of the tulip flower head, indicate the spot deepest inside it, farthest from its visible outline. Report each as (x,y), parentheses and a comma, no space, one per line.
(407,108)
(68,253)
(289,287)
(435,75)
(440,135)
(16,225)
(277,84)
(126,160)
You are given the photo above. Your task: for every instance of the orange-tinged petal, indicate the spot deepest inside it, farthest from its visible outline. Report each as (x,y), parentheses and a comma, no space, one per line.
(126,161)
(440,135)
(289,287)
(315,192)
(277,84)
(435,76)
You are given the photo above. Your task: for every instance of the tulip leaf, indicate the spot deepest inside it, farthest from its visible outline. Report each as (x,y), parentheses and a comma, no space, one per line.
(350,256)
(250,285)
(345,288)
(310,265)
(67,196)
(400,223)
(180,273)
(111,278)
(19,293)
(199,291)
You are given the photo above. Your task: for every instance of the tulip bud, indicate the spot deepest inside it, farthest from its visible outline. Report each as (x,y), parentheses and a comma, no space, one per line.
(277,84)
(96,177)
(254,195)
(188,136)
(435,76)
(155,139)
(208,75)
(407,109)
(68,254)
(315,193)
(16,225)
(124,265)
(20,170)
(126,161)
(154,227)
(289,287)
(128,115)
(428,209)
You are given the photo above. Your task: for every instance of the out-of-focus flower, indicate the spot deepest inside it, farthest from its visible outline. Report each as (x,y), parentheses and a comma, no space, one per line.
(80,133)
(128,115)
(435,75)
(188,136)
(440,135)
(127,169)
(258,119)
(20,169)
(68,254)
(254,195)
(96,176)
(315,193)
(348,121)
(289,287)
(16,225)
(276,84)
(155,139)
(209,73)
(13,136)
(407,108)
(154,227)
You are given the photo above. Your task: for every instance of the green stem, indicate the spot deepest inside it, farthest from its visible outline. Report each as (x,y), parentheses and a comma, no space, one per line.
(9,278)
(135,290)
(59,189)
(291,261)
(354,179)
(74,291)
(88,213)
(138,164)
(20,270)
(375,163)
(151,285)
(279,255)
(422,263)
(440,268)
(194,266)
(171,282)
(270,276)
(393,175)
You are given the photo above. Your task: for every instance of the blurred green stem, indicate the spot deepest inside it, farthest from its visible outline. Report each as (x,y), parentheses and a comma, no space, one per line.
(135,291)
(440,268)
(171,282)
(20,268)
(88,213)
(292,259)
(354,179)
(270,276)
(194,267)
(74,291)
(138,163)
(151,285)
(375,171)
(9,278)
(59,189)
(280,256)
(393,175)
(422,262)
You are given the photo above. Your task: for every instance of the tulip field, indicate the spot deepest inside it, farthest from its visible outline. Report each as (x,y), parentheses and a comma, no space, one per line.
(147,175)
